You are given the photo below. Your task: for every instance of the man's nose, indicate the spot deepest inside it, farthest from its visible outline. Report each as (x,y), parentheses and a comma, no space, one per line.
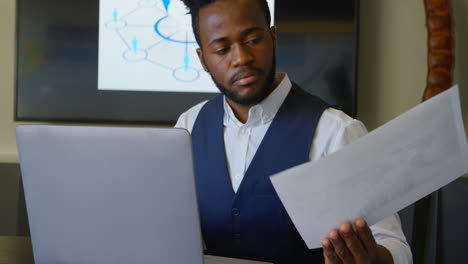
(241,55)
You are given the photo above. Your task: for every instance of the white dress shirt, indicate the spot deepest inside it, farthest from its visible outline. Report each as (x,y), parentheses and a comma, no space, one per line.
(334,130)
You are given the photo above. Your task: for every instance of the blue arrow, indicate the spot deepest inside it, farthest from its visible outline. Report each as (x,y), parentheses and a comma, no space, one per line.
(186,62)
(166,4)
(135,44)
(115,15)
(186,58)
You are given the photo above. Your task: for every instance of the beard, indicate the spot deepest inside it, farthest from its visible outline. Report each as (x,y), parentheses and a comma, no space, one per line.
(256,98)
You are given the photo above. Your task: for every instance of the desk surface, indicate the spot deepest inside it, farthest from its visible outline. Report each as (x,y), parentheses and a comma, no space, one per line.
(18,250)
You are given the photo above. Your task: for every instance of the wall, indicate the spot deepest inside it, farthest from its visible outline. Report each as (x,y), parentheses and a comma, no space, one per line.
(392,59)
(460,10)
(392,56)
(8,151)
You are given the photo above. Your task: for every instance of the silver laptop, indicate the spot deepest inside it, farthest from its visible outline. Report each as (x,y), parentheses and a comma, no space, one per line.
(110,194)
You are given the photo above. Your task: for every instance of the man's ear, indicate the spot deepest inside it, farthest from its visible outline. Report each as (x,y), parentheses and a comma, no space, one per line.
(202,60)
(273,36)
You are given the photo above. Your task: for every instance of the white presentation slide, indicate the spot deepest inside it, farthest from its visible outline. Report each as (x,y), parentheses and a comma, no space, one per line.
(149,45)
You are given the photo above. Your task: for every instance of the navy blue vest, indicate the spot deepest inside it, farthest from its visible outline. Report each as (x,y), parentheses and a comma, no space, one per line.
(252,223)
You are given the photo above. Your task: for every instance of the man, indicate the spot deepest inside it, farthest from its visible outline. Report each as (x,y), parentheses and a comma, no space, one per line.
(260,125)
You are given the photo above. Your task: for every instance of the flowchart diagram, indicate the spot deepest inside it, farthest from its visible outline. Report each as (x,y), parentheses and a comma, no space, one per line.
(149,45)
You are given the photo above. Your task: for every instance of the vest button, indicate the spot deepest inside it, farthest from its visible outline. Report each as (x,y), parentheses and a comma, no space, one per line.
(235,211)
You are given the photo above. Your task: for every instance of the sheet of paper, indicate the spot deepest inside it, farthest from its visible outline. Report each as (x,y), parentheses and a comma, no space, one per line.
(380,173)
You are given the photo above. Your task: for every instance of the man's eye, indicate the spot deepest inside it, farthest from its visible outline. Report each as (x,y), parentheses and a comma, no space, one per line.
(254,40)
(221,51)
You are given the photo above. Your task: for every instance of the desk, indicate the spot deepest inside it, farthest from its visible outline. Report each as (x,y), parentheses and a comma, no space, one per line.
(18,250)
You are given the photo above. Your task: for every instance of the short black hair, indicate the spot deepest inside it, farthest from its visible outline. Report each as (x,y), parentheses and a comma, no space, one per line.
(194,7)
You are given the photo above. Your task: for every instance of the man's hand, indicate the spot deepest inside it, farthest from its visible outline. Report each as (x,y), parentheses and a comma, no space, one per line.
(350,246)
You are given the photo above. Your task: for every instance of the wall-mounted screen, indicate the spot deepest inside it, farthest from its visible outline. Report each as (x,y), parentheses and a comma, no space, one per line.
(149,45)
(134,61)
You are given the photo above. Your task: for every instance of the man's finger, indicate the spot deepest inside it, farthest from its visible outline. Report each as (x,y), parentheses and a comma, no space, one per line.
(353,243)
(329,253)
(341,250)
(366,237)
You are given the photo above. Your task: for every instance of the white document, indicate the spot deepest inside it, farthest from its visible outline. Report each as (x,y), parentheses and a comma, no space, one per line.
(380,173)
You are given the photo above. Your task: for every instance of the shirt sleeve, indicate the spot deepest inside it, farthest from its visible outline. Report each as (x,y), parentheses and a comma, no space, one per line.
(334,131)
(187,119)
(389,234)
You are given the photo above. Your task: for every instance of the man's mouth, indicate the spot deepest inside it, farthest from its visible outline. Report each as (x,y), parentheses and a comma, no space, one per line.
(245,78)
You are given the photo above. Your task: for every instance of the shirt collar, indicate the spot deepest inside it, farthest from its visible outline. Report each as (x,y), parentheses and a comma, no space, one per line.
(264,111)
